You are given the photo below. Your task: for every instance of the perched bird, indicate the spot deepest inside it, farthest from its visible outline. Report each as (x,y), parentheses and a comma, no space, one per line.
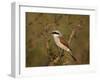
(61,42)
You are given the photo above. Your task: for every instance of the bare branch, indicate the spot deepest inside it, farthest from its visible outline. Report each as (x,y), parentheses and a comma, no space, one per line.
(71,36)
(76,28)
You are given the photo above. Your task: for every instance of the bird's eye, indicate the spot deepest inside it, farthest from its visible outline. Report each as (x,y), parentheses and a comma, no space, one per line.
(55,33)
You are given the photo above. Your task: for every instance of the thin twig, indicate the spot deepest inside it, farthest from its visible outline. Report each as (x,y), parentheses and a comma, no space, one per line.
(71,36)
(78,27)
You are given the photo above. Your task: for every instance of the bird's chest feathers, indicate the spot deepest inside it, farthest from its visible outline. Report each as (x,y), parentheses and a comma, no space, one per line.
(57,40)
(58,43)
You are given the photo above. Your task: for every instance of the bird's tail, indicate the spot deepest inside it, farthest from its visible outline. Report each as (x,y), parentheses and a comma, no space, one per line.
(74,58)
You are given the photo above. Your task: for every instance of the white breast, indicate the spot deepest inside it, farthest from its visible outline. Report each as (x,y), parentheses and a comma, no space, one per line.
(59,44)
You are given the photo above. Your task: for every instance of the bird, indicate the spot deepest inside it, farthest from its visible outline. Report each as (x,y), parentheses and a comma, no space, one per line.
(62,43)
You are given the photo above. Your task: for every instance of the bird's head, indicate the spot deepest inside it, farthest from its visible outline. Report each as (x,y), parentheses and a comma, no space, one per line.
(56,33)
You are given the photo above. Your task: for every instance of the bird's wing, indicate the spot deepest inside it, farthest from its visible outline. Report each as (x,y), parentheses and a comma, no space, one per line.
(64,42)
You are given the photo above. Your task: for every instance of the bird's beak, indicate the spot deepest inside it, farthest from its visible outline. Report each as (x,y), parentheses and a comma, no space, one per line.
(51,32)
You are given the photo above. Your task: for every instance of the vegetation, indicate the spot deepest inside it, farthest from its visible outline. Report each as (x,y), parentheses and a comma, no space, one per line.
(40,46)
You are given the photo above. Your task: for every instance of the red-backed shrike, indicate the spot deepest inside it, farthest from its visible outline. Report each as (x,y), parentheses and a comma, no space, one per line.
(61,42)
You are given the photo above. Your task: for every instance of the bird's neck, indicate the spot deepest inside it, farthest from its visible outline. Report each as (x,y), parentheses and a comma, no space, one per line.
(56,38)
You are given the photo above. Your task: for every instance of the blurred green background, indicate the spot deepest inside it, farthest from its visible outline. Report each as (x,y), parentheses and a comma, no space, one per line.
(40,46)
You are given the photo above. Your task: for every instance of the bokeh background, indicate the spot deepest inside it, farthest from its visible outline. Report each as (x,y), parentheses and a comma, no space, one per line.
(40,46)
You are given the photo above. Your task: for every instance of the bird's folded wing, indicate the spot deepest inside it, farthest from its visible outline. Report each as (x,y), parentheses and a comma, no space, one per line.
(64,42)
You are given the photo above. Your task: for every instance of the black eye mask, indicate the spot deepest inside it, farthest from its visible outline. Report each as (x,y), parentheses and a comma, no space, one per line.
(55,33)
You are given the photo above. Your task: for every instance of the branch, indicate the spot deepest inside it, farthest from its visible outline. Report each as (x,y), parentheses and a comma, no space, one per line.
(71,36)
(78,27)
